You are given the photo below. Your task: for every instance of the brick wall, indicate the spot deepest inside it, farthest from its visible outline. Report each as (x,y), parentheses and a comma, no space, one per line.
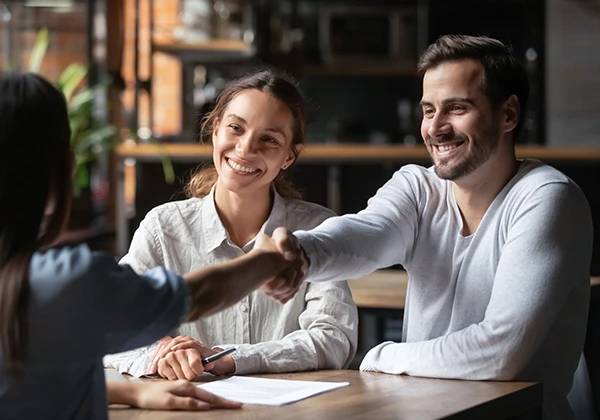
(166,70)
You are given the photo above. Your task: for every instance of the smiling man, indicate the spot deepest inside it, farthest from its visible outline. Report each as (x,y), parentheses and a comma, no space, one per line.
(497,249)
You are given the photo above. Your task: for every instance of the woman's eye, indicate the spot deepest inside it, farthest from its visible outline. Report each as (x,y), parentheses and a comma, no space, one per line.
(271,140)
(234,127)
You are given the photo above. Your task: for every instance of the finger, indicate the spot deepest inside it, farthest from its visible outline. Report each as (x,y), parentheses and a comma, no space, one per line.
(167,348)
(192,344)
(157,351)
(195,363)
(213,400)
(172,361)
(165,370)
(183,357)
(286,243)
(187,403)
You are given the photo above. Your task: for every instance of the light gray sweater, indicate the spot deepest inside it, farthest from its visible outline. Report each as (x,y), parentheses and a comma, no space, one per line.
(508,302)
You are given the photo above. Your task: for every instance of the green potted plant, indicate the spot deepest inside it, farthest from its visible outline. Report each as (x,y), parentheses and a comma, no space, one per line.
(90,138)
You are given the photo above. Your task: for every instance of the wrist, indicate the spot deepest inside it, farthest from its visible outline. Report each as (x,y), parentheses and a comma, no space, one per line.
(123,393)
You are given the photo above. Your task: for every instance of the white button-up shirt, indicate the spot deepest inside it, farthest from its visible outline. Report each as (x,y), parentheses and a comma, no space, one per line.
(317,329)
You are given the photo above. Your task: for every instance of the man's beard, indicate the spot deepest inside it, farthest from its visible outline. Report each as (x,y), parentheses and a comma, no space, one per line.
(482,148)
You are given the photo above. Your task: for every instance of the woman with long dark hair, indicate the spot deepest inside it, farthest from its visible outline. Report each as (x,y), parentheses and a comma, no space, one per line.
(58,310)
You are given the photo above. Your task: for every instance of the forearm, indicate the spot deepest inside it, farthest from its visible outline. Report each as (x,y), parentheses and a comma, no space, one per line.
(470,354)
(134,362)
(299,351)
(218,287)
(351,246)
(121,393)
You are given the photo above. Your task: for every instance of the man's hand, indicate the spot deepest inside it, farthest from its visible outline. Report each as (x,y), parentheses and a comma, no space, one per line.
(163,395)
(283,287)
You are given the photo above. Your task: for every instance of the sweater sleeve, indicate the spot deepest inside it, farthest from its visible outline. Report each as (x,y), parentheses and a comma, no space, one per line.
(544,262)
(355,245)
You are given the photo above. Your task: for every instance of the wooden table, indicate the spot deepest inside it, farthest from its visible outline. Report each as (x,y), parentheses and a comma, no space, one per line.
(381,396)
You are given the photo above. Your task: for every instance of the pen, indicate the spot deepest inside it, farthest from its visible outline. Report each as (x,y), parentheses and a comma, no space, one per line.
(217,356)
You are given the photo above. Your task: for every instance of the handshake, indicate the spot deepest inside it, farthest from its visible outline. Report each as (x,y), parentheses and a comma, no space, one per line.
(277,265)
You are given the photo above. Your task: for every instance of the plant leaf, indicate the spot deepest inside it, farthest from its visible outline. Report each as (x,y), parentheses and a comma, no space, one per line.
(81,98)
(39,51)
(70,78)
(95,140)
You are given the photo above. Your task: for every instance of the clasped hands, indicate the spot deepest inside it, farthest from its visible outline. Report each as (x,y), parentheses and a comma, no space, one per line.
(283,287)
(181,358)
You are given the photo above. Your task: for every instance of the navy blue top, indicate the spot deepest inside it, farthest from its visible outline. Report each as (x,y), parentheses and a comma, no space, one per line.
(82,306)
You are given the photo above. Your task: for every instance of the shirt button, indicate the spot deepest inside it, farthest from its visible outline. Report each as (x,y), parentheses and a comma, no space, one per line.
(244,307)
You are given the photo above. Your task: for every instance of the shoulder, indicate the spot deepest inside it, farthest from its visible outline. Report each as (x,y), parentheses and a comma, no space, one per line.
(62,268)
(174,213)
(305,215)
(542,189)
(536,177)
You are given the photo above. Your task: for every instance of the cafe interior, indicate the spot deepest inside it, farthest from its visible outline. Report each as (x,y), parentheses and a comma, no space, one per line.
(151,69)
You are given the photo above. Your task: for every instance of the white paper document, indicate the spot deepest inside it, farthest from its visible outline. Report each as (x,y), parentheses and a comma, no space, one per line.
(268,391)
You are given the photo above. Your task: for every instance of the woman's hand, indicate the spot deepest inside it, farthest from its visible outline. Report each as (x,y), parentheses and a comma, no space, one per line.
(185,363)
(283,287)
(163,395)
(181,358)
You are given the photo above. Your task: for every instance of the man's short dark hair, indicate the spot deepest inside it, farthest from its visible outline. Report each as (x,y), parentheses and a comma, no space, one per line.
(504,74)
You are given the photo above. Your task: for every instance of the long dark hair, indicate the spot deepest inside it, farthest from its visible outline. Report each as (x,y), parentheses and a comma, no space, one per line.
(35,168)
(273,83)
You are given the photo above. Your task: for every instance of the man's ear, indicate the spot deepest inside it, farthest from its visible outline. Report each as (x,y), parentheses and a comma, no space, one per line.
(511,113)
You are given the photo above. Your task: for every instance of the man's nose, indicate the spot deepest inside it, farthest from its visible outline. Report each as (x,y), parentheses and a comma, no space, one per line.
(438,126)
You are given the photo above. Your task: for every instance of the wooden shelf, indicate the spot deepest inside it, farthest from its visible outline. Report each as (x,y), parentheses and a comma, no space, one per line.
(344,153)
(213,50)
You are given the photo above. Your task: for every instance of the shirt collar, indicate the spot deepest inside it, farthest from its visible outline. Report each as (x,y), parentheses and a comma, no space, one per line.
(214,232)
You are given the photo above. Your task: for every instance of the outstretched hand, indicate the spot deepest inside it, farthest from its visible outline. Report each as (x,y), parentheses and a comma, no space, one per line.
(283,287)
(176,395)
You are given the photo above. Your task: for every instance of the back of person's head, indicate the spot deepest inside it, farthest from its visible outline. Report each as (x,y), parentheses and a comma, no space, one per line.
(278,85)
(504,75)
(35,170)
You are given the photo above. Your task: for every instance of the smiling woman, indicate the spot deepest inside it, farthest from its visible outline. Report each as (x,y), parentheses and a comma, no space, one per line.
(272,102)
(257,129)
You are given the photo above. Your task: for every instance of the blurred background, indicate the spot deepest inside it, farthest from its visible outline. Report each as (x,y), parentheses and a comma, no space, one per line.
(156,66)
